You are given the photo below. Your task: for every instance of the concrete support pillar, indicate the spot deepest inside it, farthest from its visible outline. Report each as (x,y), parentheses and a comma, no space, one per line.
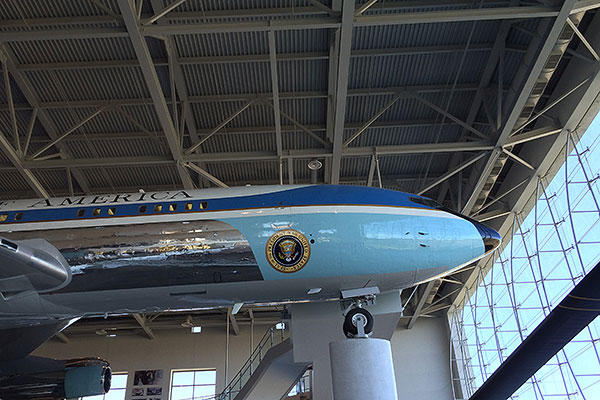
(315,325)
(362,369)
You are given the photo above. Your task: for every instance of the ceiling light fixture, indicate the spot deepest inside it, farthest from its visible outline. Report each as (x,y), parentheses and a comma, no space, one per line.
(314,165)
(188,323)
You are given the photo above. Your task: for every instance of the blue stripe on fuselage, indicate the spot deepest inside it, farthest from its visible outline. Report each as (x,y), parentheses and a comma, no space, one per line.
(303,196)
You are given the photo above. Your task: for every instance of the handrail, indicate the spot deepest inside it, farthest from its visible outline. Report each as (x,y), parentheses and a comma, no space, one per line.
(270,339)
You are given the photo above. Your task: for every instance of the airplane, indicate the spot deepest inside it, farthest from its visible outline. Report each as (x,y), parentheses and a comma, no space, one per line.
(72,257)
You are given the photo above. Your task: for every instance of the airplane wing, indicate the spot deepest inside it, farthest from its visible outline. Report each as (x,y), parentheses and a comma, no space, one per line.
(31,264)
(28,268)
(19,341)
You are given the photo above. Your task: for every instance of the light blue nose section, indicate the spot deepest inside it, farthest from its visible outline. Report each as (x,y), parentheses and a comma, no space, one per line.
(491,239)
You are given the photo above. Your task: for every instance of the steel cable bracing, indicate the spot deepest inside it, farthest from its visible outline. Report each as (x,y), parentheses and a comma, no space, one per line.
(553,247)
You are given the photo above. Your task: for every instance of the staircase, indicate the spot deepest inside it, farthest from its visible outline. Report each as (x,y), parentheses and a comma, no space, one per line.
(269,373)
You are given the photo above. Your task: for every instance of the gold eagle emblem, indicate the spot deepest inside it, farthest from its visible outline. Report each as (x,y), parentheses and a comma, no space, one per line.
(288,250)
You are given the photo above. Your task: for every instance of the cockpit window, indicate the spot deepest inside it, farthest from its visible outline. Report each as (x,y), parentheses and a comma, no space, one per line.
(426,202)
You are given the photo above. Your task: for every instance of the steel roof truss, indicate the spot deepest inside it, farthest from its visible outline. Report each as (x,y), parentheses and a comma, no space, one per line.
(275,89)
(11,104)
(160,105)
(539,55)
(25,86)
(452,172)
(161,13)
(220,126)
(339,109)
(449,116)
(206,174)
(68,132)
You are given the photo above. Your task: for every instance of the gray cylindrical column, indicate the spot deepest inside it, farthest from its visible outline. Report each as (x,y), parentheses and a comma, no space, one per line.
(362,369)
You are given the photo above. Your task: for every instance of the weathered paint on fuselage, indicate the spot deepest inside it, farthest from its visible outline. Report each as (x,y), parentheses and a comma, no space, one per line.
(183,249)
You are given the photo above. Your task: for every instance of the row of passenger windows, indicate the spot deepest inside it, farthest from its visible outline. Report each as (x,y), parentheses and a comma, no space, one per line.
(157,208)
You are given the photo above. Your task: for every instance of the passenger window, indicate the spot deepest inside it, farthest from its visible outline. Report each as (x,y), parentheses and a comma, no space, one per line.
(173,207)
(112,211)
(203,205)
(158,208)
(3,217)
(188,206)
(81,212)
(142,209)
(96,212)
(18,216)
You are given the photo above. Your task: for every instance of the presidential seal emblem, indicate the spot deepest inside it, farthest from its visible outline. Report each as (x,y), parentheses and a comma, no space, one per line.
(288,250)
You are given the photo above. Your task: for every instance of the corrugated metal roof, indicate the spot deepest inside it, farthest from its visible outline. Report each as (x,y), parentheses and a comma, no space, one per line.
(89,84)
(414,35)
(29,9)
(73,51)
(221,44)
(73,87)
(418,69)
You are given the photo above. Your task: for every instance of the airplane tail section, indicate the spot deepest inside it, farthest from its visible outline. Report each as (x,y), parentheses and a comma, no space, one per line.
(37,378)
(25,336)
(28,268)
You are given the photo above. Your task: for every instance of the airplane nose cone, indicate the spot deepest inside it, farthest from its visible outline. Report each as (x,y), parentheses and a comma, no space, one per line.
(491,238)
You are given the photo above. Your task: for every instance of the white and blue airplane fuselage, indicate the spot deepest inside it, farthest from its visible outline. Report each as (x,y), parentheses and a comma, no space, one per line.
(145,252)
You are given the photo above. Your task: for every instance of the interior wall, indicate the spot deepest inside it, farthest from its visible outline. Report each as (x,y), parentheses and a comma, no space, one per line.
(169,350)
(422,360)
(421,355)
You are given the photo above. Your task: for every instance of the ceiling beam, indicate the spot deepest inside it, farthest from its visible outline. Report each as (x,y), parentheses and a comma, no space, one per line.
(234,323)
(575,115)
(275,89)
(486,78)
(462,15)
(342,53)
(420,303)
(533,135)
(316,94)
(452,172)
(388,180)
(372,120)
(251,130)
(27,175)
(143,321)
(257,58)
(425,148)
(205,174)
(332,70)
(585,5)
(26,87)
(534,62)
(151,78)
(159,13)
(250,12)
(174,64)
(420,17)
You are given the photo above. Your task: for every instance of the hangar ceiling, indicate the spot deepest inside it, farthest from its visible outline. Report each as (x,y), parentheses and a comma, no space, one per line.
(463,101)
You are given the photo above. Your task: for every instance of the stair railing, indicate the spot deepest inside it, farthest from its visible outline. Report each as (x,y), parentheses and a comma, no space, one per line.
(275,335)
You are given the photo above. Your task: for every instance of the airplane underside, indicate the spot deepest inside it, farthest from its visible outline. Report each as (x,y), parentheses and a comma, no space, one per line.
(184,251)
